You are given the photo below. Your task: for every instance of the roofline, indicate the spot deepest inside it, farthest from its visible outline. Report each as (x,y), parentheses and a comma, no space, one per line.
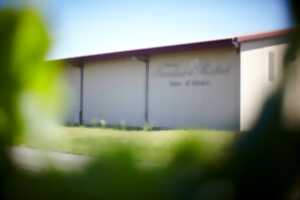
(264,35)
(154,50)
(233,42)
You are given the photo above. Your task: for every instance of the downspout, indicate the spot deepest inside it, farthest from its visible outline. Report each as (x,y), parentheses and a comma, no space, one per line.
(145,59)
(236,44)
(81,92)
(147,91)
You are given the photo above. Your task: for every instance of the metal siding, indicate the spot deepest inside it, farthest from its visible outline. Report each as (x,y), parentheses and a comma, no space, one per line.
(211,102)
(114,91)
(72,78)
(255,83)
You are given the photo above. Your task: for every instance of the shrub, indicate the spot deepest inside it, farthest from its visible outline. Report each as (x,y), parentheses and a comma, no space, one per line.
(102,123)
(147,127)
(123,125)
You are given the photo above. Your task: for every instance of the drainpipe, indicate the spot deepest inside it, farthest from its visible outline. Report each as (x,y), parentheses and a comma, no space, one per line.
(145,59)
(147,91)
(81,66)
(236,44)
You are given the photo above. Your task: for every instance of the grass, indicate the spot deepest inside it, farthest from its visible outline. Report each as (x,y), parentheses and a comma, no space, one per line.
(147,146)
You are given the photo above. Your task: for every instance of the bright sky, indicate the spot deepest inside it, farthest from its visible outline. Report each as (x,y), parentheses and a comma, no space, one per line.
(84,27)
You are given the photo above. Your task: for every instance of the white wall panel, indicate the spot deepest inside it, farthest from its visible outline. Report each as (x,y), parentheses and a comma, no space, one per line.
(195,89)
(255,83)
(72,102)
(114,91)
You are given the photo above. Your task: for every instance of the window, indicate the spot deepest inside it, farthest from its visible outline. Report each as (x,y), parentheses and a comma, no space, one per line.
(272,67)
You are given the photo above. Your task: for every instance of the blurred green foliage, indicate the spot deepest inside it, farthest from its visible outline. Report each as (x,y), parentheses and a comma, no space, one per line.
(154,148)
(262,164)
(28,84)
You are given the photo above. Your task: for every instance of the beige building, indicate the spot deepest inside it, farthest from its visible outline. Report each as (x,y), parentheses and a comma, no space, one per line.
(218,84)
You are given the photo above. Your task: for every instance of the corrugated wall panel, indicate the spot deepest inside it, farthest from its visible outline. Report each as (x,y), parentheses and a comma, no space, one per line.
(261,67)
(195,90)
(72,78)
(114,91)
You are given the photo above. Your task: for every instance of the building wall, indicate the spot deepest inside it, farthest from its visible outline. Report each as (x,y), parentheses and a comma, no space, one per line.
(198,89)
(114,91)
(212,88)
(195,90)
(259,76)
(72,78)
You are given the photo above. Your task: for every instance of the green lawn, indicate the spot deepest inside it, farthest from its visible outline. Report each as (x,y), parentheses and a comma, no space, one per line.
(158,146)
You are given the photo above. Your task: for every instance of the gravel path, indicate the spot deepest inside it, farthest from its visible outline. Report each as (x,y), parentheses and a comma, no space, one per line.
(39,160)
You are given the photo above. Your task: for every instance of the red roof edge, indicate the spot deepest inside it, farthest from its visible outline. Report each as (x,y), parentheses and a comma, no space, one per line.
(154,50)
(264,35)
(178,48)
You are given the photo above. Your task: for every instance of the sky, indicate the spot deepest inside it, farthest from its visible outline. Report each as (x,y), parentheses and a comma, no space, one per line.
(85,27)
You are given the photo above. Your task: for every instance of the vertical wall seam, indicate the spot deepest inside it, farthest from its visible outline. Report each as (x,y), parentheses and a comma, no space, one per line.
(240,89)
(81,92)
(147,91)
